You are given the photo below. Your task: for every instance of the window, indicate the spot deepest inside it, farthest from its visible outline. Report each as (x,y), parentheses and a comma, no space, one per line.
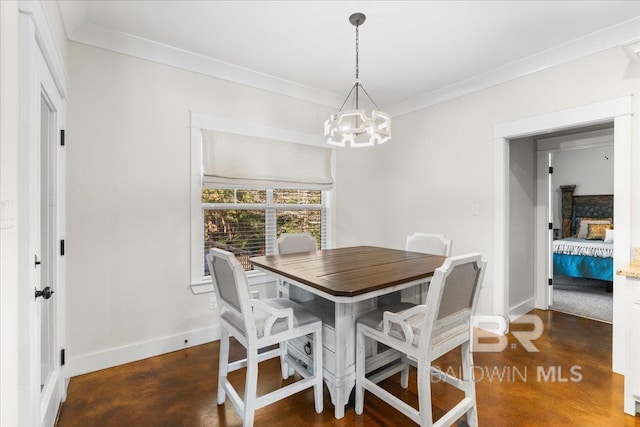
(251,183)
(248,222)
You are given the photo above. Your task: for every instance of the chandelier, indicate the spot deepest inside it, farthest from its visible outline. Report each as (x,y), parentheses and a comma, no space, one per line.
(357,127)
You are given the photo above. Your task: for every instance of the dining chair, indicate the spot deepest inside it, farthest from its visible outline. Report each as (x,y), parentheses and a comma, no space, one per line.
(290,243)
(257,324)
(428,243)
(422,333)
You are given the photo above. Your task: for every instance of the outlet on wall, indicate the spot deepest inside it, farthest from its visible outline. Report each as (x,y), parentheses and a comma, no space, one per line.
(213,304)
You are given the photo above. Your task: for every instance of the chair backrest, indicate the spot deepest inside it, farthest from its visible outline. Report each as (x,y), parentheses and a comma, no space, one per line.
(232,289)
(296,242)
(435,244)
(452,299)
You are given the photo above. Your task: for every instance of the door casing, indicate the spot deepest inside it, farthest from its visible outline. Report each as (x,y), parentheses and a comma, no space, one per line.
(40,78)
(618,111)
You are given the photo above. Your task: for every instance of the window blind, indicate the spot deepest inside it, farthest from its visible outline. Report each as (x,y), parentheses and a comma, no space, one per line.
(245,161)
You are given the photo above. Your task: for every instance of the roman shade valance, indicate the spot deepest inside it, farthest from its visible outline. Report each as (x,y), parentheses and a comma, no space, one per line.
(245,161)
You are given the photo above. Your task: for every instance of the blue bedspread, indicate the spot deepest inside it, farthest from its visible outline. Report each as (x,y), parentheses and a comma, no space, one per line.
(583,266)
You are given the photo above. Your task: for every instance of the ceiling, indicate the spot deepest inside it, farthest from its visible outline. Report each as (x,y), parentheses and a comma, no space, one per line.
(412,53)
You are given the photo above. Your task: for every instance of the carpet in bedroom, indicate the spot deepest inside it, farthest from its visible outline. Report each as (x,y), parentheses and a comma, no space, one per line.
(583,297)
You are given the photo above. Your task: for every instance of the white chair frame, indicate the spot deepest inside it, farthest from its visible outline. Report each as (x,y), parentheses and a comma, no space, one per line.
(428,243)
(437,337)
(255,313)
(290,243)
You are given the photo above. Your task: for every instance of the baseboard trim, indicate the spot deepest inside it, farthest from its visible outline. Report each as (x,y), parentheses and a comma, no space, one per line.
(494,323)
(521,309)
(131,353)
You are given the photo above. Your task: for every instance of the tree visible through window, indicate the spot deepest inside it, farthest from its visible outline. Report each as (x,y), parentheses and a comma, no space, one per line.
(248,222)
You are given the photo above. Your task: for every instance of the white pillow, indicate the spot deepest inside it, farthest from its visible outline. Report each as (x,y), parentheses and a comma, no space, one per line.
(608,238)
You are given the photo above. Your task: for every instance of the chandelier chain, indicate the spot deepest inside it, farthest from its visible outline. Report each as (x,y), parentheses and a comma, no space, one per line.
(357,51)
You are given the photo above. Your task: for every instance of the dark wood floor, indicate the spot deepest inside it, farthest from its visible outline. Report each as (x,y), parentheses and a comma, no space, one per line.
(514,387)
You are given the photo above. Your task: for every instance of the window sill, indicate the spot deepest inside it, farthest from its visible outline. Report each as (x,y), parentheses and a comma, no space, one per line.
(204,285)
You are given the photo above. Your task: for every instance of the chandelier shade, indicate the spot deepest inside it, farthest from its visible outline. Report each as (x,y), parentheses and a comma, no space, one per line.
(357,127)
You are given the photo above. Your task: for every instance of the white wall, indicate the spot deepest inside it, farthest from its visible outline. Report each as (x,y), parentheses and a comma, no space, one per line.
(590,169)
(128,200)
(522,198)
(13,399)
(440,160)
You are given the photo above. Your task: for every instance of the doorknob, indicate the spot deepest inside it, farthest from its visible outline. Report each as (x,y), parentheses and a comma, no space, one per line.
(36,262)
(45,293)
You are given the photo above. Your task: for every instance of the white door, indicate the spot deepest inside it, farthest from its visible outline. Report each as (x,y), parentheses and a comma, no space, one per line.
(41,118)
(44,292)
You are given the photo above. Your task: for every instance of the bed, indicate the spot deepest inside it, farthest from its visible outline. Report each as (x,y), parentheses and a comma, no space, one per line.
(586,247)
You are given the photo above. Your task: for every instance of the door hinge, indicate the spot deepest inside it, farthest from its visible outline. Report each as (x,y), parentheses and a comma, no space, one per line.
(62,247)
(550,226)
(550,169)
(62,132)
(62,357)
(550,282)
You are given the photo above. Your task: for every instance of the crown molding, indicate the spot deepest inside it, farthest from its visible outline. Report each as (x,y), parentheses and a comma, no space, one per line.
(80,31)
(128,44)
(619,35)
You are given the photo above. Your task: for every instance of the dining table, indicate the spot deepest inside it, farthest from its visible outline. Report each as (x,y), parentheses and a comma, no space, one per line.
(339,286)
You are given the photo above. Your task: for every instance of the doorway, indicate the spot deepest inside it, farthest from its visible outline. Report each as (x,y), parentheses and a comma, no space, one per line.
(619,112)
(582,166)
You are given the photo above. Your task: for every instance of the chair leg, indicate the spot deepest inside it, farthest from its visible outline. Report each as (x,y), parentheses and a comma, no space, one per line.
(251,387)
(404,374)
(360,371)
(283,365)
(317,370)
(424,393)
(223,363)
(469,383)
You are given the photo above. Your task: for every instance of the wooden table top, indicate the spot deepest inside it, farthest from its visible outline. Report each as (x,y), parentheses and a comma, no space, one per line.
(351,271)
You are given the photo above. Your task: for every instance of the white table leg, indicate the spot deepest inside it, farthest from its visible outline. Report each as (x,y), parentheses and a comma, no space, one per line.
(345,345)
(344,321)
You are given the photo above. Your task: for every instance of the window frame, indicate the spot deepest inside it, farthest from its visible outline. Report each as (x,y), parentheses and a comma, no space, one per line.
(198,282)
